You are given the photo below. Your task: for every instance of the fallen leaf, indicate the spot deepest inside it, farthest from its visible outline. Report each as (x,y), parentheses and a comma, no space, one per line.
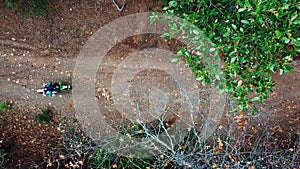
(128,135)
(241,120)
(62,157)
(240,83)
(206,147)
(167,163)
(49,163)
(72,105)
(218,150)
(230,157)
(220,143)
(105,93)
(280,129)
(274,94)
(240,116)
(182,147)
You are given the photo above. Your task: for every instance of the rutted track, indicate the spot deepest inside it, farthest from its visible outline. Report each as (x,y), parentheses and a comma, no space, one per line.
(21,76)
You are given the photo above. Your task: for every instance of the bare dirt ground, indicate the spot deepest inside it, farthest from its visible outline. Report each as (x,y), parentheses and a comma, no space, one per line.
(36,50)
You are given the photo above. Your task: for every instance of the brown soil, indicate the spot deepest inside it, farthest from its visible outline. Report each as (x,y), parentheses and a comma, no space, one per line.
(36,50)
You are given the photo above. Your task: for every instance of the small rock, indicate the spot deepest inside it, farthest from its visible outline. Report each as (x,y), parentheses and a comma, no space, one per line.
(83,28)
(45,52)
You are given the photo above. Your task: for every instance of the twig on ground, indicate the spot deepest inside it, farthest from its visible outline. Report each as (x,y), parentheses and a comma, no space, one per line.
(18,45)
(119,9)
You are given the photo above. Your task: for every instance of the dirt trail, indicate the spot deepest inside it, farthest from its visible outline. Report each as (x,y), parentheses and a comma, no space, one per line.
(24,140)
(22,75)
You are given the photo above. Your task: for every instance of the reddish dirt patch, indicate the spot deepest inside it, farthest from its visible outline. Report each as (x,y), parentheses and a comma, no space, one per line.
(25,141)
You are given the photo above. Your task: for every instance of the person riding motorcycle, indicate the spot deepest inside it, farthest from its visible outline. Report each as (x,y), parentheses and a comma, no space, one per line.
(50,89)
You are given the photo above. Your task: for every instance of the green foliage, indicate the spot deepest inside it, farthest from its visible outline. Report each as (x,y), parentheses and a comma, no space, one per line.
(44,116)
(4,106)
(31,7)
(2,153)
(254,39)
(103,159)
(2,156)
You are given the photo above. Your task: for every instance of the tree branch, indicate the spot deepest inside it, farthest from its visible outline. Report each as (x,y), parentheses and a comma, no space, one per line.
(119,9)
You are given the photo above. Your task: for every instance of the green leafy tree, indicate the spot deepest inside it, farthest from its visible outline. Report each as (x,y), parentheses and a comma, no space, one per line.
(255,39)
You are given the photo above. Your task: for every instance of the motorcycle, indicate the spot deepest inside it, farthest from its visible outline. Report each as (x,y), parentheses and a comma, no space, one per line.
(52,89)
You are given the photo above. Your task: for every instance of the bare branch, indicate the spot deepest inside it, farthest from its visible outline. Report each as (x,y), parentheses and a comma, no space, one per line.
(119,9)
